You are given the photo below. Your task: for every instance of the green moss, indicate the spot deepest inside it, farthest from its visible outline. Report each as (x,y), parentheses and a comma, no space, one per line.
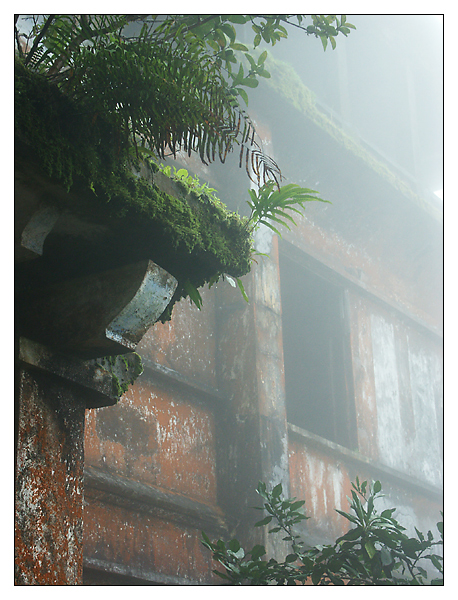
(67,141)
(124,370)
(189,236)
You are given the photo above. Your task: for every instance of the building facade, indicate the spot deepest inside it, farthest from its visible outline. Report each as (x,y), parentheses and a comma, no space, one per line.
(332,371)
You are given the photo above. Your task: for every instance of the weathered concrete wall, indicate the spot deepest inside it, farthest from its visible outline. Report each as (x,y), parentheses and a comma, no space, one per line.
(53,391)
(187,445)
(156,437)
(407,376)
(322,472)
(202,425)
(367,266)
(398,390)
(321,478)
(49,482)
(129,542)
(151,483)
(398,399)
(187,343)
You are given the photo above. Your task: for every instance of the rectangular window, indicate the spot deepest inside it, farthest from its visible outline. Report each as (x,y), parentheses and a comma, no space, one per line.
(316,345)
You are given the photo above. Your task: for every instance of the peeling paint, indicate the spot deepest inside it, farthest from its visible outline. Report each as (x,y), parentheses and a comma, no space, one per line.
(407,421)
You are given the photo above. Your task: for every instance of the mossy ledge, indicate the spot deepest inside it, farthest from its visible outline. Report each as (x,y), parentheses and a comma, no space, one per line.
(123,369)
(190,236)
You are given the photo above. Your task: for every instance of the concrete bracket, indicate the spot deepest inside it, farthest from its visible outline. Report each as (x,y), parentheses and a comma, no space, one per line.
(149,302)
(98,314)
(37,229)
(104,380)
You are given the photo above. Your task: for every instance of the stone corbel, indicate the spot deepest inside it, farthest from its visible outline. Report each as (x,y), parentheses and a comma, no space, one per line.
(104,380)
(98,314)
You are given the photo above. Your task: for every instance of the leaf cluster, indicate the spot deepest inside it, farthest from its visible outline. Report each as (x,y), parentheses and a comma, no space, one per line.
(267,204)
(270,203)
(376,550)
(327,27)
(171,82)
(191,183)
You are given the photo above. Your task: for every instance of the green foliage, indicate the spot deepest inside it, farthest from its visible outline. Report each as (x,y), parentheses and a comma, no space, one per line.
(168,83)
(376,550)
(271,204)
(191,183)
(83,155)
(157,85)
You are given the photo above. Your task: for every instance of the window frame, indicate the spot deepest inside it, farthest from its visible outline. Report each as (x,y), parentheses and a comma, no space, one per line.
(344,425)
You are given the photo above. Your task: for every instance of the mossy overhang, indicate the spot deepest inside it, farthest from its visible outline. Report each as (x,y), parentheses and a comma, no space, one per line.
(108,214)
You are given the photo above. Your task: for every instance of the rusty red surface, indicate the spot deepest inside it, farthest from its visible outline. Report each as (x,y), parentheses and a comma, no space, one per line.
(148,545)
(363,376)
(48,524)
(323,482)
(157,438)
(187,343)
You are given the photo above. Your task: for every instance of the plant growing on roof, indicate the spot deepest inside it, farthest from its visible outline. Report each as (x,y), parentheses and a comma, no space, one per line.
(271,203)
(268,203)
(168,82)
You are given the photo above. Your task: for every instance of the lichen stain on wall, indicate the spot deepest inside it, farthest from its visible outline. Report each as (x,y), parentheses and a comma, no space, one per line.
(156,438)
(49,487)
(324,485)
(144,543)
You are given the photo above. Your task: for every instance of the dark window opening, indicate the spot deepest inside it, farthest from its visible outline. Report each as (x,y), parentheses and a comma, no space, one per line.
(319,390)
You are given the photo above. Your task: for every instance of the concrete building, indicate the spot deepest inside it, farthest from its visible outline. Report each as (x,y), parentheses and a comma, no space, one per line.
(333,369)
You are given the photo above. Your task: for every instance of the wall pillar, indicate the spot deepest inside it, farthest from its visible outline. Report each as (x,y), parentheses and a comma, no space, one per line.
(49,481)
(53,390)
(253,443)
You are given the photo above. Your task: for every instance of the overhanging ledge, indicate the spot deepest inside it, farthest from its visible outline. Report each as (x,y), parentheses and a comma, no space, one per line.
(101,385)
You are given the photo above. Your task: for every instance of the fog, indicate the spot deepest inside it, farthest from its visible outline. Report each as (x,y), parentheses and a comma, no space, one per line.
(385,83)
(333,369)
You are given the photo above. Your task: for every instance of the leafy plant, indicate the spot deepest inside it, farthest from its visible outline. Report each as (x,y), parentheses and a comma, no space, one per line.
(268,203)
(376,550)
(170,82)
(271,203)
(191,183)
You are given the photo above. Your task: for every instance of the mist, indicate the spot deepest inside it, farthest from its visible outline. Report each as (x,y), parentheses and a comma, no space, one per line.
(325,371)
